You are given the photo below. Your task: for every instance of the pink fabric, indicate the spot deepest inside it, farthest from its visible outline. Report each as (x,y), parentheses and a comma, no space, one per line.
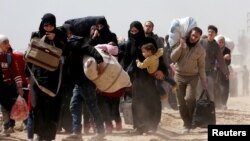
(113,50)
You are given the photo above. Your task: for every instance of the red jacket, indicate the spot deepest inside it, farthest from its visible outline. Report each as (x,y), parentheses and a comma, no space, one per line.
(18,57)
(10,71)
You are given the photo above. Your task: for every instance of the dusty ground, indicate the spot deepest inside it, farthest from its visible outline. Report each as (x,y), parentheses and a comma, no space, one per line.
(238,112)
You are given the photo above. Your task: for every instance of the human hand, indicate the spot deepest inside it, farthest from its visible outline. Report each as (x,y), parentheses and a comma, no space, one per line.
(182,43)
(159,74)
(100,68)
(50,35)
(227,56)
(96,34)
(204,85)
(20,91)
(137,60)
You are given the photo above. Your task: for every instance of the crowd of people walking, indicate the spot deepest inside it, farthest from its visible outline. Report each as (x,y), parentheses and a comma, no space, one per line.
(192,65)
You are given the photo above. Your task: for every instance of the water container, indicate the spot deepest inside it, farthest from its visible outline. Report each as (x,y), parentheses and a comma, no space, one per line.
(127,112)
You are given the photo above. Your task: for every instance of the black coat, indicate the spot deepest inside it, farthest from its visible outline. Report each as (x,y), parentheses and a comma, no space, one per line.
(81,26)
(49,79)
(78,48)
(46,109)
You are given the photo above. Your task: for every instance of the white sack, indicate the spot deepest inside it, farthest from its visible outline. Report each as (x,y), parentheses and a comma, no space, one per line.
(228,42)
(112,79)
(179,28)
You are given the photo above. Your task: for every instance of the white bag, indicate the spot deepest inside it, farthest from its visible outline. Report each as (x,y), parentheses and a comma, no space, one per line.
(112,79)
(180,28)
(228,42)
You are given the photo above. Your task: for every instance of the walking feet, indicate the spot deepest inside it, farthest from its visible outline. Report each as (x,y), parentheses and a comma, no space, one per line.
(7,132)
(185,130)
(98,137)
(73,137)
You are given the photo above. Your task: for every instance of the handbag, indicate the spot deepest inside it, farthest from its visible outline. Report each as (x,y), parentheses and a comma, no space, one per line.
(42,54)
(204,113)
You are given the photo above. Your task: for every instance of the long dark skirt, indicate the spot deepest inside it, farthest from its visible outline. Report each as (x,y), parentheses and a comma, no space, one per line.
(8,95)
(46,113)
(146,104)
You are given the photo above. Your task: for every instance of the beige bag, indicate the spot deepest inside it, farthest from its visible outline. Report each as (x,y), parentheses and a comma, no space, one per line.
(112,79)
(42,54)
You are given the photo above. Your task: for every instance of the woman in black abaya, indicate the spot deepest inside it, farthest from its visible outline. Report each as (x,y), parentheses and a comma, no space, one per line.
(46,108)
(146,103)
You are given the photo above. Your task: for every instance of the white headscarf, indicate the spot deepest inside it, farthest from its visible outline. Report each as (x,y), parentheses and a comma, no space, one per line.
(3,38)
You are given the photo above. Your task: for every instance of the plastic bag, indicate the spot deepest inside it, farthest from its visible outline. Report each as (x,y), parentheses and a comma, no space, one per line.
(20,110)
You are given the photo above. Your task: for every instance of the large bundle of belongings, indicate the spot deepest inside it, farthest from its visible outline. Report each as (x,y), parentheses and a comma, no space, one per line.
(112,79)
(228,42)
(81,26)
(180,28)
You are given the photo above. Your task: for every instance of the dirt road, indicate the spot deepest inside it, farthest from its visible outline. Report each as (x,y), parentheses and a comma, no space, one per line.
(238,112)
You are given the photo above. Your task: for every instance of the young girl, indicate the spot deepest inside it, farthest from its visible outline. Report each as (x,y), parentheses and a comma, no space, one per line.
(151,61)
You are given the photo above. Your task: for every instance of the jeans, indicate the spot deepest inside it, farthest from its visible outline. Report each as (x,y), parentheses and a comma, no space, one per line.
(76,110)
(87,91)
(30,125)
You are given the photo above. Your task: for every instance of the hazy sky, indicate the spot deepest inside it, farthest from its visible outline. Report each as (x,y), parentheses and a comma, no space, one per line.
(18,18)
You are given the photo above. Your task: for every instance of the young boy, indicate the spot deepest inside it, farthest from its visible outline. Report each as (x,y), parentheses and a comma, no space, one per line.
(151,61)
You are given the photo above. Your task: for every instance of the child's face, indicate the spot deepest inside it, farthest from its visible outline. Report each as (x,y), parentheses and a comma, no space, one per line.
(146,53)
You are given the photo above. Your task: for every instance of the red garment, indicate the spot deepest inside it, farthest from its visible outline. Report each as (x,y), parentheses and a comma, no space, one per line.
(116,94)
(18,57)
(10,72)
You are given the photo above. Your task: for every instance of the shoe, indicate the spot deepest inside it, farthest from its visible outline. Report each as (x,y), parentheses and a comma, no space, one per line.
(86,128)
(10,130)
(224,107)
(92,125)
(37,138)
(136,132)
(73,137)
(118,126)
(185,130)
(98,137)
(109,130)
(109,127)
(19,128)
(5,133)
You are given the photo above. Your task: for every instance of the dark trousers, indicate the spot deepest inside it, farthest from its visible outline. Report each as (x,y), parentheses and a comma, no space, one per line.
(87,90)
